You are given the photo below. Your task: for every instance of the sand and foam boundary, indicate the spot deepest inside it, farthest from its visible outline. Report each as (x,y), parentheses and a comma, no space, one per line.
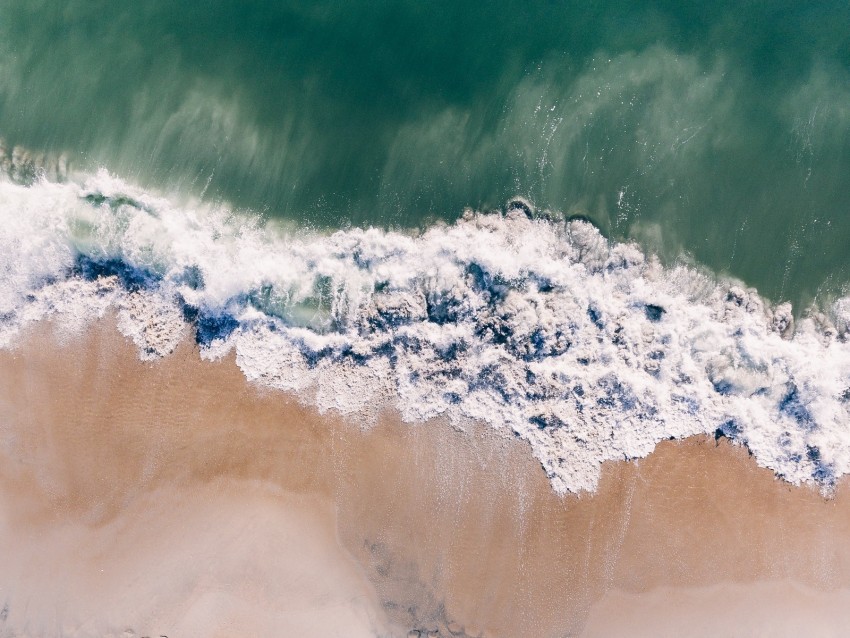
(589,349)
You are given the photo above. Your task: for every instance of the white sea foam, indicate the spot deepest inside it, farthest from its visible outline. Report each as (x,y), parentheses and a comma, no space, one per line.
(587,349)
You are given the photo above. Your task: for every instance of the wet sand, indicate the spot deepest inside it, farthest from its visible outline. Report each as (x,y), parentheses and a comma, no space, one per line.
(174,498)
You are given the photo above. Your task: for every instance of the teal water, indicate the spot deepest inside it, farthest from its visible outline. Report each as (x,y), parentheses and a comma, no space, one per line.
(716,130)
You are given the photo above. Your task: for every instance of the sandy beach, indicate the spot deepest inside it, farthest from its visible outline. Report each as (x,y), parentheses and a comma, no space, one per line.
(175,499)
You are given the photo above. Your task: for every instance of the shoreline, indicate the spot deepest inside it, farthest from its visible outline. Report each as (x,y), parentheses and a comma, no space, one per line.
(401,527)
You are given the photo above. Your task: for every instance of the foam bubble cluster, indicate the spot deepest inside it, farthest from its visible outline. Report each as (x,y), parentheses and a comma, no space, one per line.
(585,348)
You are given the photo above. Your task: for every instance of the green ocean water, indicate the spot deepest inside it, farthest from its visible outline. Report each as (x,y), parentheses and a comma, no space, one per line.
(719,131)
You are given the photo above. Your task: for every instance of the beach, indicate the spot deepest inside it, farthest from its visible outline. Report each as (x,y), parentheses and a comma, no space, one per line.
(524,319)
(175,498)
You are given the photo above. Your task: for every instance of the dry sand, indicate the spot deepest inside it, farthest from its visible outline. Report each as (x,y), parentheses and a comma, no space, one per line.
(173,498)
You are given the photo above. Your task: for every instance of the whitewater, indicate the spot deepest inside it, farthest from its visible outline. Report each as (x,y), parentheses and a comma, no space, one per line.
(587,349)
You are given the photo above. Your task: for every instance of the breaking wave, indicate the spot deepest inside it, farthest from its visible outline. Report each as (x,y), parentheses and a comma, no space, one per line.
(587,349)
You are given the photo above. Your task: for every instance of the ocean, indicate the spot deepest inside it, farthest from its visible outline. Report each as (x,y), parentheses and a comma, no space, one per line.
(591,227)
(716,132)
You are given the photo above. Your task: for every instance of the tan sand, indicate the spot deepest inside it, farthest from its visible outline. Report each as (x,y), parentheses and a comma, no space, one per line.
(174,498)
(760,608)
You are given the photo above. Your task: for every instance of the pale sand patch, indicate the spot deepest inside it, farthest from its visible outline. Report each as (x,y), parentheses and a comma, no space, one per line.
(227,558)
(777,609)
(220,504)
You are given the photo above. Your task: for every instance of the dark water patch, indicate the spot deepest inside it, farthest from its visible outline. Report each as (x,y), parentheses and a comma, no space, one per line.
(453,398)
(617,336)
(494,287)
(480,278)
(190,313)
(491,378)
(546,422)
(522,206)
(132,278)
(792,405)
(388,351)
(722,386)
(358,358)
(193,277)
(616,394)
(99,199)
(822,472)
(452,351)
(313,356)
(384,321)
(544,284)
(654,312)
(579,217)
(730,429)
(408,342)
(595,317)
(210,327)
(443,308)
